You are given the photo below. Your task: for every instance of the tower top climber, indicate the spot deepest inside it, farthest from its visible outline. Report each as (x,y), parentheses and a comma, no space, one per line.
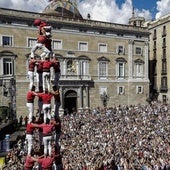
(44,27)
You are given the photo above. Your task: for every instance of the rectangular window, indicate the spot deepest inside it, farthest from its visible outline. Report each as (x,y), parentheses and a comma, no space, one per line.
(164,31)
(138,51)
(83,46)
(84,68)
(57,44)
(6,40)
(164,67)
(103,70)
(154,45)
(7,66)
(139,89)
(164,53)
(32,42)
(154,34)
(120,90)
(102,47)
(164,81)
(164,98)
(120,70)
(139,70)
(120,49)
(164,43)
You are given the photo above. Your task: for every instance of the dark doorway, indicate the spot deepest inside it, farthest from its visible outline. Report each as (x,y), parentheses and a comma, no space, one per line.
(70,102)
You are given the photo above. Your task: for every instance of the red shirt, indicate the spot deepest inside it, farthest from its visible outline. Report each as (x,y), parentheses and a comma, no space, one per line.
(47,128)
(41,39)
(46,162)
(31,65)
(39,65)
(30,97)
(46,97)
(30,128)
(47,65)
(29,163)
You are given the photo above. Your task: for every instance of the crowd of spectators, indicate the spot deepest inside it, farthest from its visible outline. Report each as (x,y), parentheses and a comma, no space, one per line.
(118,138)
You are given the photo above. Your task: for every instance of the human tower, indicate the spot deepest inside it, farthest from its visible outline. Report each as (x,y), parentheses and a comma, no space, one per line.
(43,129)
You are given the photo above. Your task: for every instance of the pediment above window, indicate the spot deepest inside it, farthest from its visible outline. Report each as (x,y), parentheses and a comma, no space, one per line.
(58,55)
(121,59)
(103,59)
(83,57)
(139,61)
(7,54)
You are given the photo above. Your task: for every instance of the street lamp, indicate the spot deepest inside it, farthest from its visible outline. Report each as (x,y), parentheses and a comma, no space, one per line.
(104,98)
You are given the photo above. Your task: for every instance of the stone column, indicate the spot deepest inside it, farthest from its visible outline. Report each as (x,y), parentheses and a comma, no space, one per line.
(146,60)
(130,57)
(87,97)
(77,68)
(81,98)
(64,68)
(61,109)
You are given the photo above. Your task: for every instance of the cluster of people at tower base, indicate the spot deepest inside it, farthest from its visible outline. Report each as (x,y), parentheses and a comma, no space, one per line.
(117,138)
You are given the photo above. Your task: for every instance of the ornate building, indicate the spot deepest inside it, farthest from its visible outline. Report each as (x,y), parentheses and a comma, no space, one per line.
(102,64)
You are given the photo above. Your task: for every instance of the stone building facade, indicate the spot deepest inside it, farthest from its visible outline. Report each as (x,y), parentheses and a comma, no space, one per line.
(102,64)
(159,58)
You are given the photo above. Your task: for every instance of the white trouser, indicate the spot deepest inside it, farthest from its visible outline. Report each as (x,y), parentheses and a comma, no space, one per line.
(31,111)
(47,111)
(46,80)
(47,144)
(29,140)
(31,79)
(45,51)
(39,80)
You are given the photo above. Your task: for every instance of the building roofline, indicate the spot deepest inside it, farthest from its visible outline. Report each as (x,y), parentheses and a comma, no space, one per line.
(18,15)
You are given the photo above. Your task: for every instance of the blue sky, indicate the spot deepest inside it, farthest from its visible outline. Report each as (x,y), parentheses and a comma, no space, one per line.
(146,4)
(116,11)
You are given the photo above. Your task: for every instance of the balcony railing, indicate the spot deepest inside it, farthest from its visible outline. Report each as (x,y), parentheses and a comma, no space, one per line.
(164,45)
(163,89)
(164,72)
(75,77)
(154,37)
(163,33)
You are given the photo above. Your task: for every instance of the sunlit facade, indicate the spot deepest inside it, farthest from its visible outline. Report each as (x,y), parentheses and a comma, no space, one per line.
(102,64)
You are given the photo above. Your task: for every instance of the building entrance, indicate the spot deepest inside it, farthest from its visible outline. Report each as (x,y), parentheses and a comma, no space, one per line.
(70,102)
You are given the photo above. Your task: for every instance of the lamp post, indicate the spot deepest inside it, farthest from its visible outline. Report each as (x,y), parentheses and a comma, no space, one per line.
(104,98)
